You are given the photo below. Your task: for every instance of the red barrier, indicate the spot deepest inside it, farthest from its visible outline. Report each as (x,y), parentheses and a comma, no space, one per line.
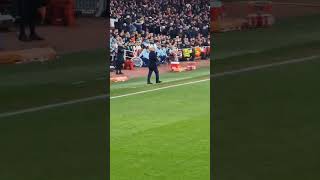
(260,20)
(62,12)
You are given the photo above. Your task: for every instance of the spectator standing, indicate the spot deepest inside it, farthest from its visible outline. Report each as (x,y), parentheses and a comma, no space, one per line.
(120,59)
(29,12)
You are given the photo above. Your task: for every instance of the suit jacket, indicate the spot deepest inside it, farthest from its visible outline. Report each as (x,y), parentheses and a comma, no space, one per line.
(120,55)
(153,59)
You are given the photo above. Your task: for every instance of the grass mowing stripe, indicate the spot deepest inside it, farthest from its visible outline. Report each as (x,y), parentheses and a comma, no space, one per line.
(253,68)
(158,89)
(269,128)
(50,106)
(146,144)
(258,67)
(312,4)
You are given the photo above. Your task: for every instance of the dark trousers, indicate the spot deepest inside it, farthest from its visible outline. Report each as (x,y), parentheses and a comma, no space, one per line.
(28,16)
(156,71)
(31,26)
(118,67)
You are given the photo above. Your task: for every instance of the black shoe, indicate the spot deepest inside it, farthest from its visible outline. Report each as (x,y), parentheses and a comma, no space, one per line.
(23,38)
(120,73)
(36,37)
(159,82)
(149,83)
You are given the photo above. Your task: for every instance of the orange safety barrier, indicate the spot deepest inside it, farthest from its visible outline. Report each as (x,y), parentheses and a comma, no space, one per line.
(198,52)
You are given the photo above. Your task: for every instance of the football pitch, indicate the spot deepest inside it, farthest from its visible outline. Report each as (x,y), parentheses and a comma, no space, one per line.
(63,136)
(58,142)
(164,131)
(266,124)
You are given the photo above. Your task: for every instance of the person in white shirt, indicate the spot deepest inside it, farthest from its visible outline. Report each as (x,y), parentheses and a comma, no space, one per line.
(162,54)
(112,22)
(144,56)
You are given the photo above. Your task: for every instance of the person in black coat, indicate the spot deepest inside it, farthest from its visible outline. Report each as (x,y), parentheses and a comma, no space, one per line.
(119,60)
(153,67)
(28,11)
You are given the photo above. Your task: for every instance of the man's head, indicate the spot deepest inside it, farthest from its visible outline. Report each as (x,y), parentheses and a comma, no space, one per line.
(151,48)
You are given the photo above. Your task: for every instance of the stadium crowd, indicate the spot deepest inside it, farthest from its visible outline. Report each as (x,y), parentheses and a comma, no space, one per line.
(165,24)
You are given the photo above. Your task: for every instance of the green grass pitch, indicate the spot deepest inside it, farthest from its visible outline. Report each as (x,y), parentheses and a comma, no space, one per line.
(66,142)
(69,141)
(165,134)
(266,122)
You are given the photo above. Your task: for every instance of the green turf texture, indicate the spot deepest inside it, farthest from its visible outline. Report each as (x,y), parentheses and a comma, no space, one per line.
(67,142)
(28,85)
(64,143)
(285,32)
(276,140)
(265,122)
(139,84)
(162,135)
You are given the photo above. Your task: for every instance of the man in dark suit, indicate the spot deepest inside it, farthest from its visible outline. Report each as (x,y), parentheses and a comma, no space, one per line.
(120,59)
(153,67)
(28,11)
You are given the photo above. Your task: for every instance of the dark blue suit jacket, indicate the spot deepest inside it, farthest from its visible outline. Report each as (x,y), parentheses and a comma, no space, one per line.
(152,59)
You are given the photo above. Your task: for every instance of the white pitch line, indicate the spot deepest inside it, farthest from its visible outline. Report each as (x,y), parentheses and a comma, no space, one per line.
(298,4)
(158,89)
(101,78)
(258,67)
(50,106)
(104,96)
(78,82)
(283,3)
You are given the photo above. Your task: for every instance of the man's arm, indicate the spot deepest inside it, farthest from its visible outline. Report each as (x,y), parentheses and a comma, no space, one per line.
(141,54)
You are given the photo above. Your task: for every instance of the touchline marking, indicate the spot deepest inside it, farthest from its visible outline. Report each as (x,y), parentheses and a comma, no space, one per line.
(258,67)
(78,82)
(51,106)
(105,96)
(284,3)
(158,89)
(101,78)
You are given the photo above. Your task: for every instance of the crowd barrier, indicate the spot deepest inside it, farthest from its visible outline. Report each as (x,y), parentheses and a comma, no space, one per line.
(91,7)
(178,55)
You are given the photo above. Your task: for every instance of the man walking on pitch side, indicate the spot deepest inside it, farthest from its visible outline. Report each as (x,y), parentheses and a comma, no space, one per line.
(153,67)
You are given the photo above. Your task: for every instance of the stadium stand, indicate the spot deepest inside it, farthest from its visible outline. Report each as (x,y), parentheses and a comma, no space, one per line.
(176,28)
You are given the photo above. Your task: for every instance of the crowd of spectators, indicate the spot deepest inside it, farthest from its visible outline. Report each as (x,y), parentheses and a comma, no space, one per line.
(164,24)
